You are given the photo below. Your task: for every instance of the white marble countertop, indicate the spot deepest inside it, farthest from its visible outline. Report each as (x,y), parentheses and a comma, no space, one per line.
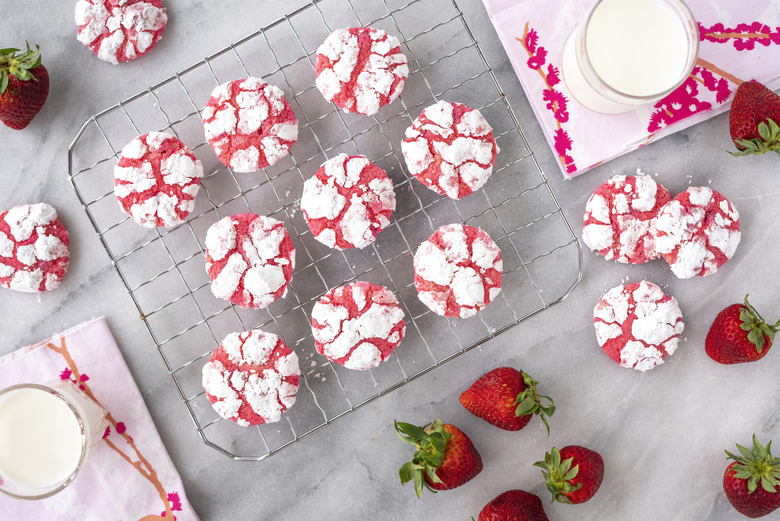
(662,434)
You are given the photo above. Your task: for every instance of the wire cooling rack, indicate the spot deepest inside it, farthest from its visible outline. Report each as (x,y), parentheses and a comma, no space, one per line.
(163,269)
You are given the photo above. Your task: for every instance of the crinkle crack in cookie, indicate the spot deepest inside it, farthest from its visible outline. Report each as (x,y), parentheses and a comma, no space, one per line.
(348,202)
(358,325)
(34,248)
(361,69)
(458,271)
(156,180)
(249,124)
(638,325)
(251,378)
(697,232)
(120,30)
(250,259)
(620,217)
(450,149)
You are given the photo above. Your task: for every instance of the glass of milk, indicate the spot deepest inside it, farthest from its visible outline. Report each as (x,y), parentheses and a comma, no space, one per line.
(628,53)
(46,434)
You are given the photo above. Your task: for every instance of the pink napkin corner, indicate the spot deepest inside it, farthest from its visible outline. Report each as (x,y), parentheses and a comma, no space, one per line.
(739,41)
(130,475)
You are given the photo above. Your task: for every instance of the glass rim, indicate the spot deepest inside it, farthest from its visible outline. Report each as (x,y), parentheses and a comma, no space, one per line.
(589,72)
(82,427)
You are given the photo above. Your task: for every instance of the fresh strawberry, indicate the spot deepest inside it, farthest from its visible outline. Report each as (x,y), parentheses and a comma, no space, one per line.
(739,334)
(444,456)
(507,398)
(754,119)
(744,475)
(24,86)
(573,474)
(514,505)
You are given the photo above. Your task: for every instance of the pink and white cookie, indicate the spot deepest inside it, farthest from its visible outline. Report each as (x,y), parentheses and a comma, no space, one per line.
(348,202)
(120,30)
(251,378)
(156,180)
(250,259)
(638,325)
(360,69)
(249,124)
(34,248)
(450,149)
(697,232)
(458,271)
(620,217)
(358,325)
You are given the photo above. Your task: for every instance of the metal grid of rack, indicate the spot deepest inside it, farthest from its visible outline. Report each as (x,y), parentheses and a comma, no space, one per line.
(163,269)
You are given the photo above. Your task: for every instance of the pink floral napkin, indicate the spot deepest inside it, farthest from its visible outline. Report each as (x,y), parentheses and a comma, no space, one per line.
(129,476)
(740,41)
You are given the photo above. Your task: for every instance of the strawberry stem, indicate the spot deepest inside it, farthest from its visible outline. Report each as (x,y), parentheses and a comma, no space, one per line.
(757,466)
(530,401)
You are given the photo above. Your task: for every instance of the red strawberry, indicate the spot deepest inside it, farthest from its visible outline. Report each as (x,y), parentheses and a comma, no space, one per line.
(514,505)
(753,119)
(24,86)
(573,474)
(444,457)
(742,478)
(739,334)
(506,398)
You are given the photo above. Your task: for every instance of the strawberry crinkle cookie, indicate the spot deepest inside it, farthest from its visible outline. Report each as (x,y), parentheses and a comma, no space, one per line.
(638,325)
(34,248)
(251,378)
(620,217)
(249,124)
(458,271)
(120,30)
(250,259)
(360,69)
(348,202)
(697,232)
(357,325)
(156,180)
(450,149)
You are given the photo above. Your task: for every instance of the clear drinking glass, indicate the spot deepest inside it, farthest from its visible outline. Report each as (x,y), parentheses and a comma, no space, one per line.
(628,53)
(47,432)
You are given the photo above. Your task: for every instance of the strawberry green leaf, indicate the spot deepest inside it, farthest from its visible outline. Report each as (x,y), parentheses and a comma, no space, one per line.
(406,472)
(418,483)
(3,82)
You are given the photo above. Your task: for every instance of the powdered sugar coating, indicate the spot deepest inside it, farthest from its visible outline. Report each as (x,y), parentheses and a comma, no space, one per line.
(450,149)
(251,378)
(697,232)
(34,248)
(357,325)
(458,271)
(156,180)
(120,30)
(620,217)
(361,69)
(249,124)
(638,325)
(250,259)
(348,202)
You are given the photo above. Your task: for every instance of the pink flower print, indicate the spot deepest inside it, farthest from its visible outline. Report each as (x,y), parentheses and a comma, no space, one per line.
(553,76)
(107,433)
(557,104)
(536,61)
(120,427)
(678,105)
(718,85)
(175,502)
(530,41)
(65,375)
(562,142)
